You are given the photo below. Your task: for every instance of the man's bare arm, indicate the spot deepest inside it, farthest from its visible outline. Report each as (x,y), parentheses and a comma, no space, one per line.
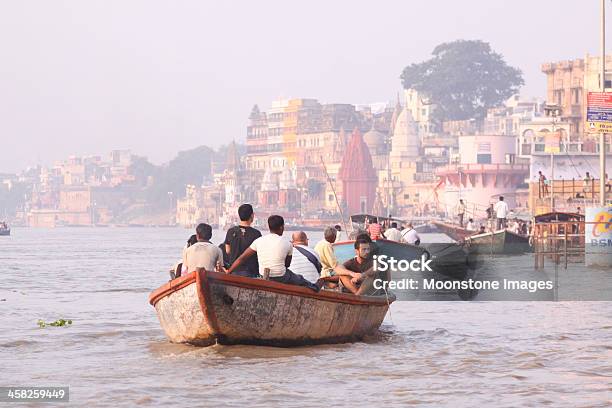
(246,254)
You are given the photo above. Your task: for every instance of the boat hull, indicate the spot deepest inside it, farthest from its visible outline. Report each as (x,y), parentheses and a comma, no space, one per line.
(499,242)
(205,308)
(5,232)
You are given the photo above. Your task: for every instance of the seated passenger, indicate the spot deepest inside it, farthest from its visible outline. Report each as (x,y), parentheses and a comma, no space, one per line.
(393,234)
(179,269)
(330,266)
(203,254)
(470,225)
(239,238)
(363,265)
(274,254)
(374,229)
(305,260)
(410,236)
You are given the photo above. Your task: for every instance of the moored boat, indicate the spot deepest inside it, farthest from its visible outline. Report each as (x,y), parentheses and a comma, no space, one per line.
(5,230)
(204,308)
(498,242)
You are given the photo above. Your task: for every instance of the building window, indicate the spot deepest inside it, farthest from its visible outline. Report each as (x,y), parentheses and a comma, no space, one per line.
(484,147)
(483,158)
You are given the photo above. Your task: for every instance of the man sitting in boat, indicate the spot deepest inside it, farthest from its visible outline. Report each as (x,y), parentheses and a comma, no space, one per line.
(305,260)
(470,225)
(374,229)
(331,270)
(239,238)
(274,255)
(203,254)
(410,236)
(362,264)
(393,234)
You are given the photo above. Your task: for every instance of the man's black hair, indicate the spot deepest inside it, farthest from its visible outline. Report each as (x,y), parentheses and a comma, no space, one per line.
(204,231)
(192,240)
(394,225)
(245,211)
(364,236)
(275,222)
(360,241)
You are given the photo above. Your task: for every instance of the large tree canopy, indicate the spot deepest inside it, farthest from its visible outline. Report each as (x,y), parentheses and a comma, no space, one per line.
(463,79)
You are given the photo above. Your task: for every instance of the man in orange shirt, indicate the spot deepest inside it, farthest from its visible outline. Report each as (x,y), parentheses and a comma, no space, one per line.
(374,229)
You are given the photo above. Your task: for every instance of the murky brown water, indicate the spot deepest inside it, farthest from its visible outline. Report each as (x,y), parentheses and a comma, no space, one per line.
(428,353)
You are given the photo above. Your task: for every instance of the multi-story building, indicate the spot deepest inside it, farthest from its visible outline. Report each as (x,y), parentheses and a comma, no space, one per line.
(305,137)
(568,84)
(486,169)
(421,110)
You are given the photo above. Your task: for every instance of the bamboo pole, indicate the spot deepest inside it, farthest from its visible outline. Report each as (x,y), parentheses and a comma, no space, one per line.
(335,197)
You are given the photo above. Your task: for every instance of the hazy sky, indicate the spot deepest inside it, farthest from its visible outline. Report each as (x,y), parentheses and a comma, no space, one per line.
(157,77)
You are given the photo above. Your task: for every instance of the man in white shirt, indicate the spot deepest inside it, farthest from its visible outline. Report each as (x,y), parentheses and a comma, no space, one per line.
(470,225)
(304,261)
(501,211)
(274,254)
(393,234)
(410,236)
(203,254)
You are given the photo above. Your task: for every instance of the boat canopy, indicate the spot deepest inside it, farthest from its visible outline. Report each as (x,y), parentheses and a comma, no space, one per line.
(559,216)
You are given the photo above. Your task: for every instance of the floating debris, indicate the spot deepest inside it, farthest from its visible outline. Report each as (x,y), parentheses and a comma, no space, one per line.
(57,323)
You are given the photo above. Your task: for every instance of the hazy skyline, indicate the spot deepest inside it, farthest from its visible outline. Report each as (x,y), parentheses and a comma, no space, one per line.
(86,77)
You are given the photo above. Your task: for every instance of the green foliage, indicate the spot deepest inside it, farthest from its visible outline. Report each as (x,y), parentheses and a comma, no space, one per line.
(189,167)
(57,323)
(463,79)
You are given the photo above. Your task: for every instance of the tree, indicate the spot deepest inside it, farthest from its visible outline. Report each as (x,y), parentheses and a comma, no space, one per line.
(463,79)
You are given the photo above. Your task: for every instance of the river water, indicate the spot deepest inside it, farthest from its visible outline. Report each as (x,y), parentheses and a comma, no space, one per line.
(478,353)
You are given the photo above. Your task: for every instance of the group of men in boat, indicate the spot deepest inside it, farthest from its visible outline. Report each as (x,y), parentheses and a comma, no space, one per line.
(246,252)
(497,215)
(406,235)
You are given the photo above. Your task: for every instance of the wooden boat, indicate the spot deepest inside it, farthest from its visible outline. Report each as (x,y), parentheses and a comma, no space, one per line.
(454,231)
(498,242)
(204,308)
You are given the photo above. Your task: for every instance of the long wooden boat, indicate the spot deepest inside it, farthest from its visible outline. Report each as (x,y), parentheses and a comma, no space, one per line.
(499,242)
(204,308)
(454,231)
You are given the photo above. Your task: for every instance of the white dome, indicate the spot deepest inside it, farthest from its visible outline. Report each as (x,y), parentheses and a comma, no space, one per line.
(374,140)
(405,141)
